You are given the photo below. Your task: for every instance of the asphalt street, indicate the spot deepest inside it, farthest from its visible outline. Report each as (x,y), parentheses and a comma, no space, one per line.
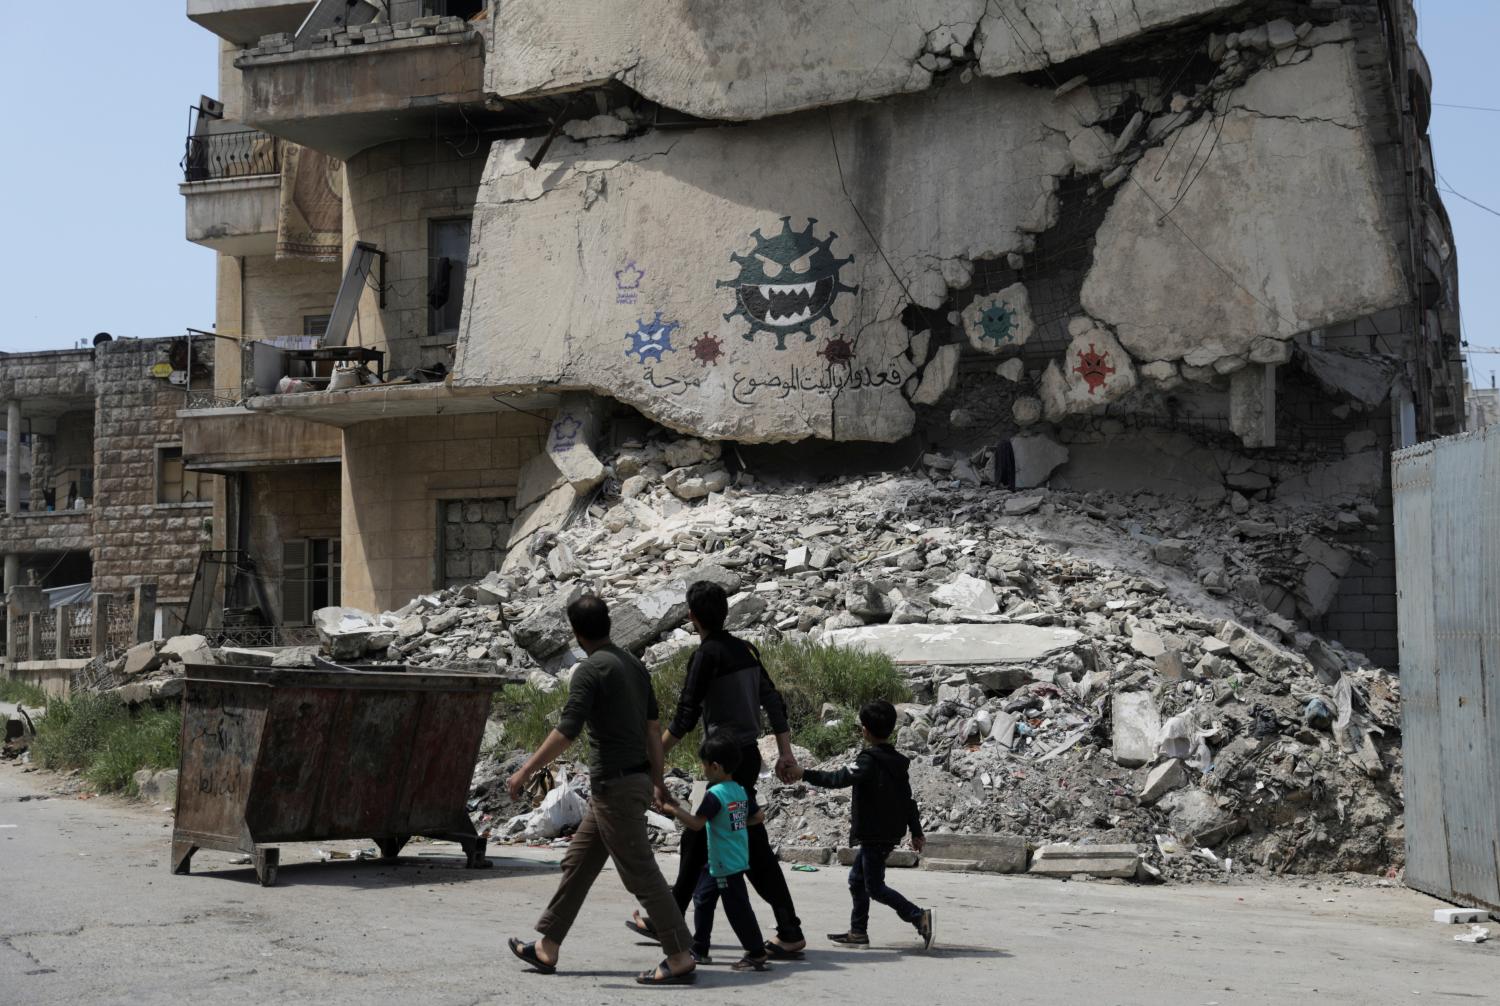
(90,914)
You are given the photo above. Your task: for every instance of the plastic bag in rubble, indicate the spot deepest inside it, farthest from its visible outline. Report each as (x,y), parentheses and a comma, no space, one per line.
(1181,739)
(561,809)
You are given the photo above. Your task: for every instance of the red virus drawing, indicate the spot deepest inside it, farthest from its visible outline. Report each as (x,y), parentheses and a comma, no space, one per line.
(707,349)
(1094,368)
(838,350)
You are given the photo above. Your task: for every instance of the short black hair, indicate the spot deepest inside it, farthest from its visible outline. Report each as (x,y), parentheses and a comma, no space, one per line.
(878,717)
(589,617)
(709,604)
(720,748)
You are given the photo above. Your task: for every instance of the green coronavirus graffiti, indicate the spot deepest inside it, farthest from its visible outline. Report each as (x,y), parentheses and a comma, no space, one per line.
(787,283)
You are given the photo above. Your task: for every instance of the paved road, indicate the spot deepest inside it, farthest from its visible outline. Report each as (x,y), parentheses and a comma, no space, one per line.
(89,914)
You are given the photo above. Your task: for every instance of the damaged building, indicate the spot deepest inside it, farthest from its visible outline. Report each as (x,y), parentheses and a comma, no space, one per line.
(1185,247)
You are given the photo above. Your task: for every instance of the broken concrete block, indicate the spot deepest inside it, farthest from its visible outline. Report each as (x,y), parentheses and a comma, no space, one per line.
(639,622)
(1137,727)
(1026,411)
(538,477)
(999,321)
(548,514)
(1147,644)
(745,610)
(1255,651)
(1460,916)
(697,481)
(1037,457)
(812,855)
(1170,775)
(999,680)
(141,659)
(1098,371)
(192,649)
(237,656)
(968,595)
(797,559)
(938,376)
(867,603)
(1013,370)
(985,853)
(1197,819)
(1063,860)
(545,631)
(1172,552)
(959,644)
(1020,506)
(156,787)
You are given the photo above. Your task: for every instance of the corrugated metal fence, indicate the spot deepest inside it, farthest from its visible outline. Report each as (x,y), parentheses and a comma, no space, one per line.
(1447,500)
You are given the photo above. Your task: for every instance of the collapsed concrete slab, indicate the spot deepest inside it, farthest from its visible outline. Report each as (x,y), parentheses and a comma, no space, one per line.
(983,853)
(1062,860)
(1254,213)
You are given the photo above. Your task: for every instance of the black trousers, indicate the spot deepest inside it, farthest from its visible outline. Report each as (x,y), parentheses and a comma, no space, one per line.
(765,873)
(731,891)
(867,883)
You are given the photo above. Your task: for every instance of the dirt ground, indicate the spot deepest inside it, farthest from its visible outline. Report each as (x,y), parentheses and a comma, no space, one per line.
(90,914)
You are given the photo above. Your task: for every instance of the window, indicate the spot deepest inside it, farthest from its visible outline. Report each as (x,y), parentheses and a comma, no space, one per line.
(461,8)
(315,325)
(311,570)
(447,261)
(174,483)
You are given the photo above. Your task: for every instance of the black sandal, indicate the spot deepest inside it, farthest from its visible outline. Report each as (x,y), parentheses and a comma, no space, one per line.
(777,952)
(527,953)
(670,978)
(643,928)
(748,963)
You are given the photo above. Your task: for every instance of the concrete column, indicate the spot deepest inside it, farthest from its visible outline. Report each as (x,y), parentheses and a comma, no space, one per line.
(64,624)
(34,637)
(12,482)
(101,623)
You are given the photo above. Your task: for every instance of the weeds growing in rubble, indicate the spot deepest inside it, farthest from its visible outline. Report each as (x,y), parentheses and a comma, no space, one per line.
(807,674)
(22,693)
(100,736)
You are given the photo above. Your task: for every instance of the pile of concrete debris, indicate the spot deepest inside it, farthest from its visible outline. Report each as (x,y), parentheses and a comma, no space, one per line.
(1087,669)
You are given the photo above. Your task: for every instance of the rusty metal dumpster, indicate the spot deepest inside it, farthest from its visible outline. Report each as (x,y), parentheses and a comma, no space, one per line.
(275,755)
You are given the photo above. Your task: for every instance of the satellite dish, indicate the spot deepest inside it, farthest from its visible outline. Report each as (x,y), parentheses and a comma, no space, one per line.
(102,338)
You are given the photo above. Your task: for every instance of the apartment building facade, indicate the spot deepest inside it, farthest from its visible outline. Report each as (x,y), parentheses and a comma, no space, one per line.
(947,222)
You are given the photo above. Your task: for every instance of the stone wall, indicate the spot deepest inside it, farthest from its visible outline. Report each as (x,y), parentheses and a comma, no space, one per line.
(280,293)
(398,473)
(137,539)
(474,535)
(392,194)
(52,374)
(285,504)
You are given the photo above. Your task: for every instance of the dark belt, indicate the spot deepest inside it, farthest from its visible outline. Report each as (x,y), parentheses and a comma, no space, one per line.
(621,773)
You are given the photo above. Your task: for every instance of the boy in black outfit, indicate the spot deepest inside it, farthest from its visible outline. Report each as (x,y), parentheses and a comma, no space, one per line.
(881,813)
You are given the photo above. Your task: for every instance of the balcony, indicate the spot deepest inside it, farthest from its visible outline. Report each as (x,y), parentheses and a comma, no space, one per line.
(37,532)
(244,21)
(345,89)
(231,181)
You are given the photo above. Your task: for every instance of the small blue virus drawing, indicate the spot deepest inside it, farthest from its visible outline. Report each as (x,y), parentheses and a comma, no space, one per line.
(565,432)
(997,323)
(652,338)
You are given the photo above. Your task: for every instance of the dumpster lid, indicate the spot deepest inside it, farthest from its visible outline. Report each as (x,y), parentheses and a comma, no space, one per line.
(397,677)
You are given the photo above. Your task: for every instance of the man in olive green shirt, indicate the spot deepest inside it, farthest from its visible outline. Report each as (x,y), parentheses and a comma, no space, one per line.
(610,694)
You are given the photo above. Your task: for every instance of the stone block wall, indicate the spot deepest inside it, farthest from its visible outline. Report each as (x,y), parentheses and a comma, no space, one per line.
(474,535)
(137,539)
(397,476)
(392,193)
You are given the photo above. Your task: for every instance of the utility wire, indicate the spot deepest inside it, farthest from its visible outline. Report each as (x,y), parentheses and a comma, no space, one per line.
(1469,108)
(1445,186)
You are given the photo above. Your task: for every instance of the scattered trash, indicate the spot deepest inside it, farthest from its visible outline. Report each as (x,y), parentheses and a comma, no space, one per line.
(1476,934)
(357,854)
(804,868)
(562,810)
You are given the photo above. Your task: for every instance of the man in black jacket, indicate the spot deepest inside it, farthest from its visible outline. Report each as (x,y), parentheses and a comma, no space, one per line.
(727,687)
(881,812)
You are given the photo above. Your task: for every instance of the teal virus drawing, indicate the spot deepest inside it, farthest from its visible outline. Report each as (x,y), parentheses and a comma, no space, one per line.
(652,338)
(997,323)
(787,283)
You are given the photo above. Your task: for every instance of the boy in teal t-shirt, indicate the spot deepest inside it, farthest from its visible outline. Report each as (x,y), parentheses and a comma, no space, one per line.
(725,812)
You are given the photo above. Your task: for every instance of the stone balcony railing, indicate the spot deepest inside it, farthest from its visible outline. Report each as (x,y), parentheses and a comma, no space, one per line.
(46,531)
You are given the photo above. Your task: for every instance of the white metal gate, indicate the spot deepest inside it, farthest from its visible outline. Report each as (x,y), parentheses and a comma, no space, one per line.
(1447,502)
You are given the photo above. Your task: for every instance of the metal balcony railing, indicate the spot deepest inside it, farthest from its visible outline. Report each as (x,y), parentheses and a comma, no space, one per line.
(242,153)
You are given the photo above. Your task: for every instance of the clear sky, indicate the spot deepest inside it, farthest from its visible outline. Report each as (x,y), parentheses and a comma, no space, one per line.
(97,117)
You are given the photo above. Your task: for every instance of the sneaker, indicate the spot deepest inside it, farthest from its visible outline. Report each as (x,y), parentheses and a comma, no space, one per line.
(850,939)
(924,928)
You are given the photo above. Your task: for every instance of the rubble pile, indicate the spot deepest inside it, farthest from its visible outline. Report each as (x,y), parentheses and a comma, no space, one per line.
(1084,668)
